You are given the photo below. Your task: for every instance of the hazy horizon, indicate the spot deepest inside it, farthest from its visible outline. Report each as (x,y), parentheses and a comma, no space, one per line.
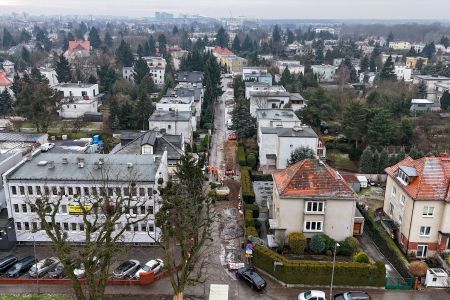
(262,9)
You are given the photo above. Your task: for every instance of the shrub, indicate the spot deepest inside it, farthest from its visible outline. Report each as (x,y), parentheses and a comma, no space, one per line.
(361,257)
(254,208)
(352,242)
(258,226)
(247,188)
(386,245)
(317,244)
(241,156)
(251,231)
(329,242)
(211,193)
(261,177)
(297,242)
(251,160)
(318,272)
(418,268)
(248,218)
(344,249)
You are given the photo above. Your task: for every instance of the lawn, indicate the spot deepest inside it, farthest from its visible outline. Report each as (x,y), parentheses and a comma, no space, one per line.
(340,161)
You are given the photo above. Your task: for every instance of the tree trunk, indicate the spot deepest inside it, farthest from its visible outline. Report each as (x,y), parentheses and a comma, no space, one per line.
(178,296)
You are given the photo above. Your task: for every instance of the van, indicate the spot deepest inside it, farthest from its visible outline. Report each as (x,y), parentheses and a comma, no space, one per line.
(21,267)
(7,262)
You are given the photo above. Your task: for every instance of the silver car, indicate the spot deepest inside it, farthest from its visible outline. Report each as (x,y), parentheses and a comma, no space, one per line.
(43,266)
(126,269)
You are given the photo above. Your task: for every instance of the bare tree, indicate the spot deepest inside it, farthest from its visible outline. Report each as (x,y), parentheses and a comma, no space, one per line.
(185,219)
(106,214)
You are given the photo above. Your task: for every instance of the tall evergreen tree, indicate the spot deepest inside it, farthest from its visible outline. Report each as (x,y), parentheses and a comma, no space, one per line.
(380,128)
(147,85)
(429,50)
(422,90)
(236,44)
(175,30)
(62,69)
(242,119)
(25,36)
(151,46)
(26,55)
(276,40)
(8,40)
(366,161)
(108,40)
(124,54)
(5,103)
(445,100)
(107,77)
(140,70)
(364,64)
(162,43)
(374,56)
(290,37)
(286,77)
(140,50)
(94,38)
(355,122)
(247,45)
(222,38)
(388,71)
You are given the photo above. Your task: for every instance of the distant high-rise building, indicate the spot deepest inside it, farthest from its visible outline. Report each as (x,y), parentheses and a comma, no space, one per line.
(163,15)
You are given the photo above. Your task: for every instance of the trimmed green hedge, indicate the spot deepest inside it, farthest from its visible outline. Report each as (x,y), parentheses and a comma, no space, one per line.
(247,188)
(318,272)
(386,245)
(254,208)
(297,242)
(261,177)
(241,156)
(248,218)
(251,231)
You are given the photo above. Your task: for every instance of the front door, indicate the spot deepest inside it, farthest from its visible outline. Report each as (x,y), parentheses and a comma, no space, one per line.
(422,251)
(357,228)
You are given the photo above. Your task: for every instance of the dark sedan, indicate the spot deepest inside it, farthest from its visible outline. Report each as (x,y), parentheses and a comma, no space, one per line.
(352,296)
(252,278)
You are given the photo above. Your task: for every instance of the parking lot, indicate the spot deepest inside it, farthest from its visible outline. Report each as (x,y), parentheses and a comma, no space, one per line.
(141,254)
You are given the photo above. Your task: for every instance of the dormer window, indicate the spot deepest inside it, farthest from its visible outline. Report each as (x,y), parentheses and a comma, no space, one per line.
(406,174)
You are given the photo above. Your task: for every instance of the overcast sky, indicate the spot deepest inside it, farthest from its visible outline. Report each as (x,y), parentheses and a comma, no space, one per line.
(280,9)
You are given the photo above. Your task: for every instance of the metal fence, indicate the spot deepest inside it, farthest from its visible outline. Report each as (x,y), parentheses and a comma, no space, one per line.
(399,283)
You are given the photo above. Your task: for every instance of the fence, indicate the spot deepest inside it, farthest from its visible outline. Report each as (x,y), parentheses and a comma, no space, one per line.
(399,283)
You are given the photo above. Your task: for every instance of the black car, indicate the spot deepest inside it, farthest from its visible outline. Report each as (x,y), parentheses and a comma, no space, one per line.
(21,267)
(252,278)
(7,262)
(352,296)
(57,272)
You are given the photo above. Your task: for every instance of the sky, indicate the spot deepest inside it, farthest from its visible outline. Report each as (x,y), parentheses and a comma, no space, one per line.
(268,9)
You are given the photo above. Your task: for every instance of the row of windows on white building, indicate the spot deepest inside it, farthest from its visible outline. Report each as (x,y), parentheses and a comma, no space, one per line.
(135,210)
(74,227)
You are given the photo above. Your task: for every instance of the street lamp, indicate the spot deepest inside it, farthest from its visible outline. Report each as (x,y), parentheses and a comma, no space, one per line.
(33,231)
(332,273)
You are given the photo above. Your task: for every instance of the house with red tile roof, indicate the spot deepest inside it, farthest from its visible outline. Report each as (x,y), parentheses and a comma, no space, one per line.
(417,204)
(311,197)
(5,82)
(78,49)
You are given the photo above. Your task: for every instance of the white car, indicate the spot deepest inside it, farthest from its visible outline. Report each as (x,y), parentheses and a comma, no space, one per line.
(43,266)
(80,270)
(312,295)
(47,146)
(153,266)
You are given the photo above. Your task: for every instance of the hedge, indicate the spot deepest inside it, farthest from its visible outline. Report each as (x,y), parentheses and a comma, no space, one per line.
(261,177)
(297,242)
(251,160)
(248,218)
(318,272)
(254,208)
(386,245)
(251,231)
(247,188)
(241,156)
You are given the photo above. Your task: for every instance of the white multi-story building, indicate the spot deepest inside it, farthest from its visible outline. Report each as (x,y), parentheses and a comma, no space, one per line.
(431,81)
(78,99)
(127,73)
(400,45)
(173,122)
(293,66)
(157,66)
(179,104)
(324,73)
(80,178)
(403,73)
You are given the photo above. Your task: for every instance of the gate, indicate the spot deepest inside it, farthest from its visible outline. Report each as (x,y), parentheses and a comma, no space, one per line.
(399,283)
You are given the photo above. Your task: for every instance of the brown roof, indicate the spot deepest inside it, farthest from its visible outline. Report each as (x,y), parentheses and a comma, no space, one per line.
(312,178)
(432,181)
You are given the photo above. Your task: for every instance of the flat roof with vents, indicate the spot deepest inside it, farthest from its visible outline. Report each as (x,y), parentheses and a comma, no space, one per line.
(277,114)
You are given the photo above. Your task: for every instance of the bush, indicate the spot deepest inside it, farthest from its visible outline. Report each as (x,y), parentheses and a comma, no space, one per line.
(418,268)
(248,218)
(261,177)
(361,257)
(251,231)
(317,244)
(211,193)
(241,156)
(258,226)
(318,272)
(297,242)
(352,242)
(386,245)
(254,208)
(329,242)
(251,160)
(247,188)
(344,249)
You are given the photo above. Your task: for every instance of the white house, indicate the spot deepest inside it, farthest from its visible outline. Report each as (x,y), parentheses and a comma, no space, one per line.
(157,66)
(51,76)
(261,86)
(187,89)
(400,45)
(173,122)
(431,82)
(78,99)
(324,73)
(293,66)
(8,67)
(271,117)
(127,73)
(180,104)
(268,99)
(258,74)
(80,177)
(403,73)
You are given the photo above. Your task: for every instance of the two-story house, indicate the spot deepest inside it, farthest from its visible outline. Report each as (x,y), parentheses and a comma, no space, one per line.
(157,66)
(258,74)
(180,104)
(78,99)
(431,82)
(312,198)
(174,123)
(324,73)
(417,200)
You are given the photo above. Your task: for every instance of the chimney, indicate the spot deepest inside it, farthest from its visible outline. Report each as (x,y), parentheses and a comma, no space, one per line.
(65,160)
(80,162)
(51,164)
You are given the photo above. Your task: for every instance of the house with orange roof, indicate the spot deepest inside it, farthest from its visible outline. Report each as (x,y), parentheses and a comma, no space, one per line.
(311,197)
(5,82)
(78,49)
(417,205)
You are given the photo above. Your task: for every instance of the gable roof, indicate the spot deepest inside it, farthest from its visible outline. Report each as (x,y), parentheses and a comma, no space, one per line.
(222,51)
(79,45)
(4,81)
(432,180)
(312,178)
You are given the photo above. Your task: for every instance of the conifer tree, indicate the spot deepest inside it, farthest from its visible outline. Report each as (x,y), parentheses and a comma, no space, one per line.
(63,70)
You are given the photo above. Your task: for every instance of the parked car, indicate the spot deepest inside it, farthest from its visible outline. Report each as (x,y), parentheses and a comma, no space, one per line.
(47,146)
(7,262)
(153,266)
(252,278)
(80,271)
(352,296)
(312,295)
(126,269)
(57,272)
(43,266)
(21,267)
